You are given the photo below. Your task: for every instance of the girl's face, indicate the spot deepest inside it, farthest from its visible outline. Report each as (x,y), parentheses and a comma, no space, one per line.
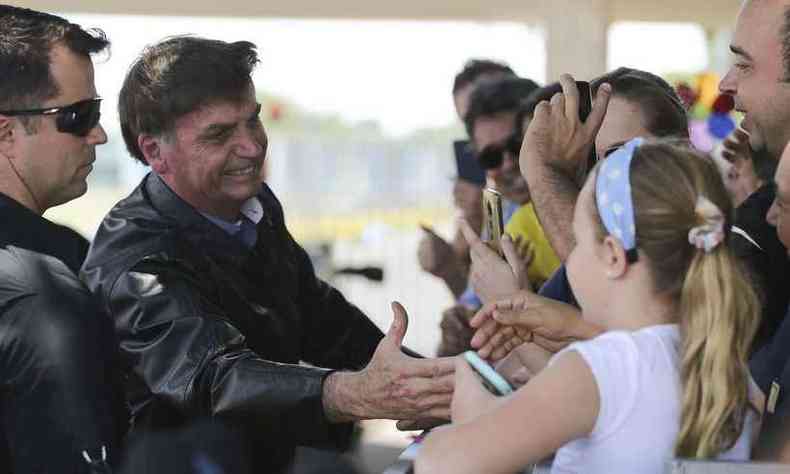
(587,272)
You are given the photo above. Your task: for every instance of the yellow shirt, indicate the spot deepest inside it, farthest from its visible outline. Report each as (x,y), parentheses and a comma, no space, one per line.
(524,223)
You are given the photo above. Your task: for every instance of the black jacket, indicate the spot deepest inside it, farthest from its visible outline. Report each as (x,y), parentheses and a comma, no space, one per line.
(213,329)
(60,395)
(767,263)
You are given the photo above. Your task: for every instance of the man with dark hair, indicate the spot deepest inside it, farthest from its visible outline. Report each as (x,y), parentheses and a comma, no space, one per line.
(759,79)
(474,72)
(215,304)
(490,123)
(61,408)
(449,261)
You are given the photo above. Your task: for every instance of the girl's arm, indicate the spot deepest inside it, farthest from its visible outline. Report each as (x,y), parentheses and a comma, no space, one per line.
(559,405)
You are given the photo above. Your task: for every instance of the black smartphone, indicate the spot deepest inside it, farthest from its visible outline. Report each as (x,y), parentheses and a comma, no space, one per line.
(465,161)
(585,107)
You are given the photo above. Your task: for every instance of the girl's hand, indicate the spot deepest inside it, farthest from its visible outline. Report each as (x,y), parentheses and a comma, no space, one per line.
(470,397)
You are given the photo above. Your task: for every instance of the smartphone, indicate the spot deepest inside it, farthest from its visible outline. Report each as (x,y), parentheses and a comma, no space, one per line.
(493,227)
(466,163)
(494,382)
(585,107)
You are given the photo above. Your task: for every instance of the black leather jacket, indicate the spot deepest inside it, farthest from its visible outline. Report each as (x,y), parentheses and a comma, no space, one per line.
(211,328)
(60,395)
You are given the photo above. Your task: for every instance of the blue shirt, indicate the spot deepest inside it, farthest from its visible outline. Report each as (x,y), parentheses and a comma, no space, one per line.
(244,229)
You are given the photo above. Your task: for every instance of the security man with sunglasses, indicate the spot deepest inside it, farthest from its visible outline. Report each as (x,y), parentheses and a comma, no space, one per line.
(60,406)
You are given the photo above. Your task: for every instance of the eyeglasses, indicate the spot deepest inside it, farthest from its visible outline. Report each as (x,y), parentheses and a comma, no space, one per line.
(77,119)
(492,156)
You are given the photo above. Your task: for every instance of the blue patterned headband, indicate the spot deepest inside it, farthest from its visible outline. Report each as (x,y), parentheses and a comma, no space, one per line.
(613,196)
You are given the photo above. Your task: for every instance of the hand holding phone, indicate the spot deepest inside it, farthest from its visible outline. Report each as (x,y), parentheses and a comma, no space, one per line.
(492,381)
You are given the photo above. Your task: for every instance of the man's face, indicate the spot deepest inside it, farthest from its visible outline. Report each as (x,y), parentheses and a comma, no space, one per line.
(757,77)
(779,214)
(55,165)
(494,132)
(214,158)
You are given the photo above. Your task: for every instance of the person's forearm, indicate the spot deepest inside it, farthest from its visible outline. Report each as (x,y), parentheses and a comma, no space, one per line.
(554,195)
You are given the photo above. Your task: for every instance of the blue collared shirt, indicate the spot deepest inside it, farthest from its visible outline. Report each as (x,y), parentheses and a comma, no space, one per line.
(245,227)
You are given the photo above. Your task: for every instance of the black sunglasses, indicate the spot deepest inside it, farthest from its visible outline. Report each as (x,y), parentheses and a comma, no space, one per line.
(492,156)
(77,119)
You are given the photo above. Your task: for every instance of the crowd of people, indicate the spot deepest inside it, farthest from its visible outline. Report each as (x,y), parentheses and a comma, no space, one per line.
(639,308)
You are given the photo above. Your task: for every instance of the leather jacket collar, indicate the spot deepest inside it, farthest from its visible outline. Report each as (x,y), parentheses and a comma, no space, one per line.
(198,229)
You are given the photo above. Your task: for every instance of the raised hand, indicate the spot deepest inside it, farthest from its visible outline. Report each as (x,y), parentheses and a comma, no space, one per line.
(527,317)
(557,136)
(491,277)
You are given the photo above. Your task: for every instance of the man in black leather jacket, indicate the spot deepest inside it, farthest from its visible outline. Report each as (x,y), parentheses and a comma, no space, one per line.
(214,302)
(60,408)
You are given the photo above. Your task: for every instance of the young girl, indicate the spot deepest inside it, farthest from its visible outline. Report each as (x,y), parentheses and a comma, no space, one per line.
(669,377)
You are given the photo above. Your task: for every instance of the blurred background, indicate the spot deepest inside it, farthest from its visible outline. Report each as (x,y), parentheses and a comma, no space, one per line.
(357,102)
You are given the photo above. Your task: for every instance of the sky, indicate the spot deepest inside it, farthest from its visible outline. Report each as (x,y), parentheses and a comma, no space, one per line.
(398,73)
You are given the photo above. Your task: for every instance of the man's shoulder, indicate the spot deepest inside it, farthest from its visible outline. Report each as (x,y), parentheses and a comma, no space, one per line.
(25,272)
(132,230)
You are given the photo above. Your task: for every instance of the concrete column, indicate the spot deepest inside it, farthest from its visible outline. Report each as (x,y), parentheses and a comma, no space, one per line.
(576,38)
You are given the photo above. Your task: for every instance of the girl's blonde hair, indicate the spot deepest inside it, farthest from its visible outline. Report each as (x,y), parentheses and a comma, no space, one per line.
(717,307)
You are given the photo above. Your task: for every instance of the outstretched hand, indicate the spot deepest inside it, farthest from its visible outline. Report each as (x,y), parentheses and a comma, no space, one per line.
(393,385)
(502,326)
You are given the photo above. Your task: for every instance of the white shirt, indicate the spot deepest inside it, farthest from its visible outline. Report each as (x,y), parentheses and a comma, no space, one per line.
(638,379)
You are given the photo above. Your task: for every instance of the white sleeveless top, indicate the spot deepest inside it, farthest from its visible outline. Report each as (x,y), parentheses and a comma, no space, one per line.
(638,378)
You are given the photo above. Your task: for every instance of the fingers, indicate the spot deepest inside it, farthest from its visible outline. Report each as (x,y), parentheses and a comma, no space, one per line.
(523,318)
(521,377)
(420,387)
(485,313)
(740,135)
(500,344)
(431,368)
(600,104)
(469,234)
(571,93)
(508,346)
(484,333)
(400,322)
(503,335)
(511,254)
(557,103)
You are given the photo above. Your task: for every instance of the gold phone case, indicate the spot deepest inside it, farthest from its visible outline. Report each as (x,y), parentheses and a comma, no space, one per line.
(493,227)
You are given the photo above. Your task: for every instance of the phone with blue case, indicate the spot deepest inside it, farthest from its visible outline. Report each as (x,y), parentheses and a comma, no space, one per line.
(494,382)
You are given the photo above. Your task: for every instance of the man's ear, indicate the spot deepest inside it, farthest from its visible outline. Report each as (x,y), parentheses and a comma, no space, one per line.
(7,134)
(151,149)
(613,255)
